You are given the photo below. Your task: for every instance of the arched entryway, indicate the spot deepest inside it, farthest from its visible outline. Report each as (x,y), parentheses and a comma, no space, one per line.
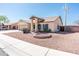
(34,24)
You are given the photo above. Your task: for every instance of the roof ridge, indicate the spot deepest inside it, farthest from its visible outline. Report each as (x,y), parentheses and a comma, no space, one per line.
(51,16)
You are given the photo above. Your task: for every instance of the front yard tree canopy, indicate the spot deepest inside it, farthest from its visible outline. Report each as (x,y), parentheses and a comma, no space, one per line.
(21,20)
(4,19)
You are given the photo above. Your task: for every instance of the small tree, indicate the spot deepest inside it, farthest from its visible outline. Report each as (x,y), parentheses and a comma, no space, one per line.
(21,20)
(4,19)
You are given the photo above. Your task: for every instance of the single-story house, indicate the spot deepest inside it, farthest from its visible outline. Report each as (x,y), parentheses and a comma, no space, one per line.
(46,24)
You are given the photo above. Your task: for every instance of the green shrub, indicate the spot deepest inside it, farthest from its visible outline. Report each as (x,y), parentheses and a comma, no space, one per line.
(25,30)
(47,30)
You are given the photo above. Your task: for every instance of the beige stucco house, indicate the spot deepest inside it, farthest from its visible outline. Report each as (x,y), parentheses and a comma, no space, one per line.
(46,24)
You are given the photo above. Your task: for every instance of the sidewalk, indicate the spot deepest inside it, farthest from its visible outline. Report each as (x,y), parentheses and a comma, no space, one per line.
(8,31)
(15,47)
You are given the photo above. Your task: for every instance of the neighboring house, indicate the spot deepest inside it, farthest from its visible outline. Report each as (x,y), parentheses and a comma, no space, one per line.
(18,25)
(46,24)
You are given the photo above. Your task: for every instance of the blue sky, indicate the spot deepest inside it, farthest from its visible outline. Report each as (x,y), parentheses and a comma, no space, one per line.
(23,11)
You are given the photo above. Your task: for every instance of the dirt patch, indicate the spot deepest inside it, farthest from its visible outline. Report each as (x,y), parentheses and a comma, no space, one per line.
(63,42)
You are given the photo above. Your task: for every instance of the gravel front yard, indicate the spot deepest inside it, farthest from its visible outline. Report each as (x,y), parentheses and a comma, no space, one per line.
(64,42)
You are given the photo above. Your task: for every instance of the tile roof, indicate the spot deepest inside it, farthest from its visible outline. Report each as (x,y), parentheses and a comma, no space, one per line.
(51,18)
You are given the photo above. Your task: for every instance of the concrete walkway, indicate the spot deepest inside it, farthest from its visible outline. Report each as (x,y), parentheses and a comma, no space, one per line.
(15,47)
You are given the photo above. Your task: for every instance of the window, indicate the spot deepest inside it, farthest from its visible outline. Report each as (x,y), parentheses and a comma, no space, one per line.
(45,26)
(39,27)
(58,28)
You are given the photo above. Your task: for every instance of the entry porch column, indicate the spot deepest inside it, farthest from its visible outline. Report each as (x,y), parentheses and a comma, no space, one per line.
(32,25)
(41,27)
(36,25)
